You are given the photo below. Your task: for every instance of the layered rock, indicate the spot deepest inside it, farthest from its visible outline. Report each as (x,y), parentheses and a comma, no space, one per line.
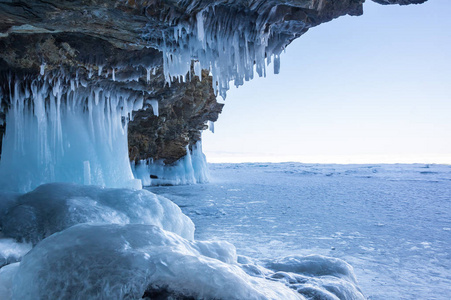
(184,109)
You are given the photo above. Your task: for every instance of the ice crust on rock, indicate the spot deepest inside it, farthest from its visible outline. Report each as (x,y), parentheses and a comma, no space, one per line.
(54,127)
(122,262)
(317,276)
(314,265)
(54,207)
(129,261)
(190,169)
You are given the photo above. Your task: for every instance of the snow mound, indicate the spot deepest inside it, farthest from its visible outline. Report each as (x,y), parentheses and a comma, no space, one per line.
(54,207)
(132,261)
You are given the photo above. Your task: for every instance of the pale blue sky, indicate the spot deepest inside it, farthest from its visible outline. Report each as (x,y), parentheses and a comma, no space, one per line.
(374,88)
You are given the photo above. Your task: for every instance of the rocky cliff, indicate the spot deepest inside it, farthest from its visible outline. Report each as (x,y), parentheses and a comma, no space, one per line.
(153,49)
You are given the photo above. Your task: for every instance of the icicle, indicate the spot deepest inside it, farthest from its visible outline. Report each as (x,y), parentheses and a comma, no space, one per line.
(61,127)
(211,126)
(200,26)
(100,71)
(42,69)
(114,75)
(86,173)
(276,64)
(96,95)
(138,104)
(198,70)
(228,45)
(154,104)
(148,74)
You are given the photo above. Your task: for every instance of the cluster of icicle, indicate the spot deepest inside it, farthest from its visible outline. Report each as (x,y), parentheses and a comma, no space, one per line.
(190,169)
(228,44)
(60,130)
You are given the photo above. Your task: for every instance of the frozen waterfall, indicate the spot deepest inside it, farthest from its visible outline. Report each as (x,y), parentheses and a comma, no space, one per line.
(62,130)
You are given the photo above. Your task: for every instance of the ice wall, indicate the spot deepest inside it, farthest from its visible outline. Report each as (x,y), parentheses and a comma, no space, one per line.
(190,169)
(61,130)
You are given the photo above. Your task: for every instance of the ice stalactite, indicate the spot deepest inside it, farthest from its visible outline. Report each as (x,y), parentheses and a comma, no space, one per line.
(211,126)
(230,45)
(61,130)
(190,169)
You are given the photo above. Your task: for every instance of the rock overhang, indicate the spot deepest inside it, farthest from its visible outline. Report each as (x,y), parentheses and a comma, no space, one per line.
(130,46)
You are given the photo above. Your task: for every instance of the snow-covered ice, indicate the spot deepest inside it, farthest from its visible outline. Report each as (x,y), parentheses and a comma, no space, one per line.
(390,222)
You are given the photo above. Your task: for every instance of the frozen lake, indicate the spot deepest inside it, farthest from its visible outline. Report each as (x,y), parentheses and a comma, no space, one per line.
(392,223)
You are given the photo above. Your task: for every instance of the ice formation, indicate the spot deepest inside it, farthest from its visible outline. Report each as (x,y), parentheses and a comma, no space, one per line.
(11,251)
(7,274)
(132,261)
(226,42)
(62,130)
(54,207)
(190,169)
(92,242)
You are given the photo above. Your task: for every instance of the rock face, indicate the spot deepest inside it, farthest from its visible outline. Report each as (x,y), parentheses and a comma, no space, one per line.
(139,46)
(183,111)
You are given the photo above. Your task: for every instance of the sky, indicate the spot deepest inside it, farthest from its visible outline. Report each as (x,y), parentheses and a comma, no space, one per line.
(369,89)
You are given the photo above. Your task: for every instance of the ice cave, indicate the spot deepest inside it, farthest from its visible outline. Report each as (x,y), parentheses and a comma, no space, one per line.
(99,99)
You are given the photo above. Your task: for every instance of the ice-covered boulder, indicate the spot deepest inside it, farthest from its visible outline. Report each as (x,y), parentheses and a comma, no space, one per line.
(317,276)
(143,261)
(54,207)
(130,261)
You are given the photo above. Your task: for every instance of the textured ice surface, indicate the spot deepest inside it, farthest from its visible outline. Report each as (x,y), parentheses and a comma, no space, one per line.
(190,169)
(231,44)
(390,222)
(54,128)
(7,274)
(122,262)
(54,207)
(11,251)
(129,261)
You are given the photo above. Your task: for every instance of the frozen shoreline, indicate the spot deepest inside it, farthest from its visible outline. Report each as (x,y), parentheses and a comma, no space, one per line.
(390,222)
